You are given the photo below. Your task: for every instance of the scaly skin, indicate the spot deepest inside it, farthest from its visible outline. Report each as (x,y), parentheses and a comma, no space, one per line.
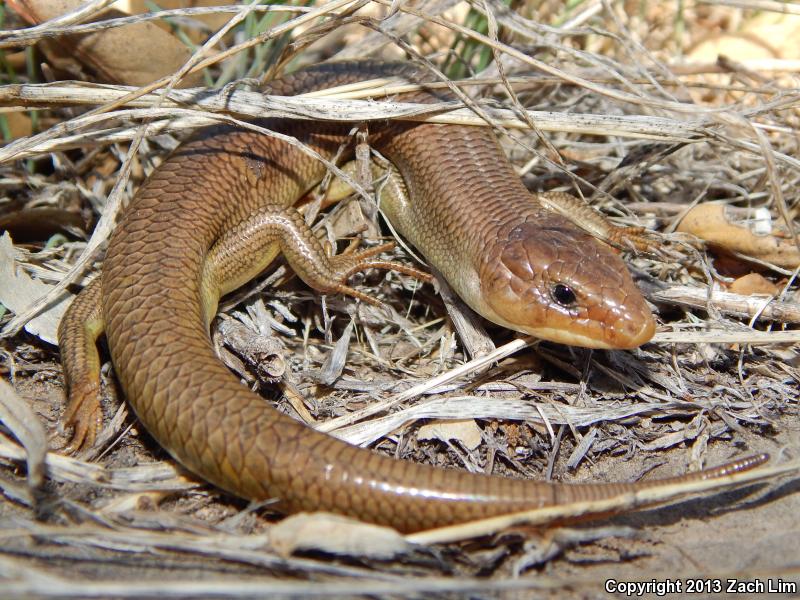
(209,218)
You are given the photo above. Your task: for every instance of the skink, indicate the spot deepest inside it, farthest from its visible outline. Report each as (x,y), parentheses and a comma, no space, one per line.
(209,219)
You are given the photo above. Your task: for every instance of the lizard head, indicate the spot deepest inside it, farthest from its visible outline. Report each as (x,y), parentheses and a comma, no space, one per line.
(558,283)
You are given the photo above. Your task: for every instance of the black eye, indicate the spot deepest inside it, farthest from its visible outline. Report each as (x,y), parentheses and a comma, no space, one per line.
(563,294)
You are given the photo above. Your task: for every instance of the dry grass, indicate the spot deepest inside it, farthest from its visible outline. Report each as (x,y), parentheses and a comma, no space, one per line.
(596,103)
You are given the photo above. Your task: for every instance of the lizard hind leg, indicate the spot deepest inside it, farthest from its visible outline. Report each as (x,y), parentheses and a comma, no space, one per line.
(78,332)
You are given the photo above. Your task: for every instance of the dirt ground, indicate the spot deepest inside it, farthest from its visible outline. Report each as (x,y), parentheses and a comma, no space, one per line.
(197,543)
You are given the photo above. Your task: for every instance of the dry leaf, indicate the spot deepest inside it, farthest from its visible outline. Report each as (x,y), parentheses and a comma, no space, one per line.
(760,36)
(16,61)
(16,414)
(465,431)
(712,222)
(212,21)
(132,55)
(780,32)
(754,283)
(41,222)
(335,534)
(736,46)
(20,290)
(19,124)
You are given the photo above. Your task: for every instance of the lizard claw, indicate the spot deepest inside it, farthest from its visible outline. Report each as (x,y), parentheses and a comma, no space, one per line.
(349,263)
(83,415)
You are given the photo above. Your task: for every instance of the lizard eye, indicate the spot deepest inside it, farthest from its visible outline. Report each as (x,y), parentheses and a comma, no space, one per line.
(563,295)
